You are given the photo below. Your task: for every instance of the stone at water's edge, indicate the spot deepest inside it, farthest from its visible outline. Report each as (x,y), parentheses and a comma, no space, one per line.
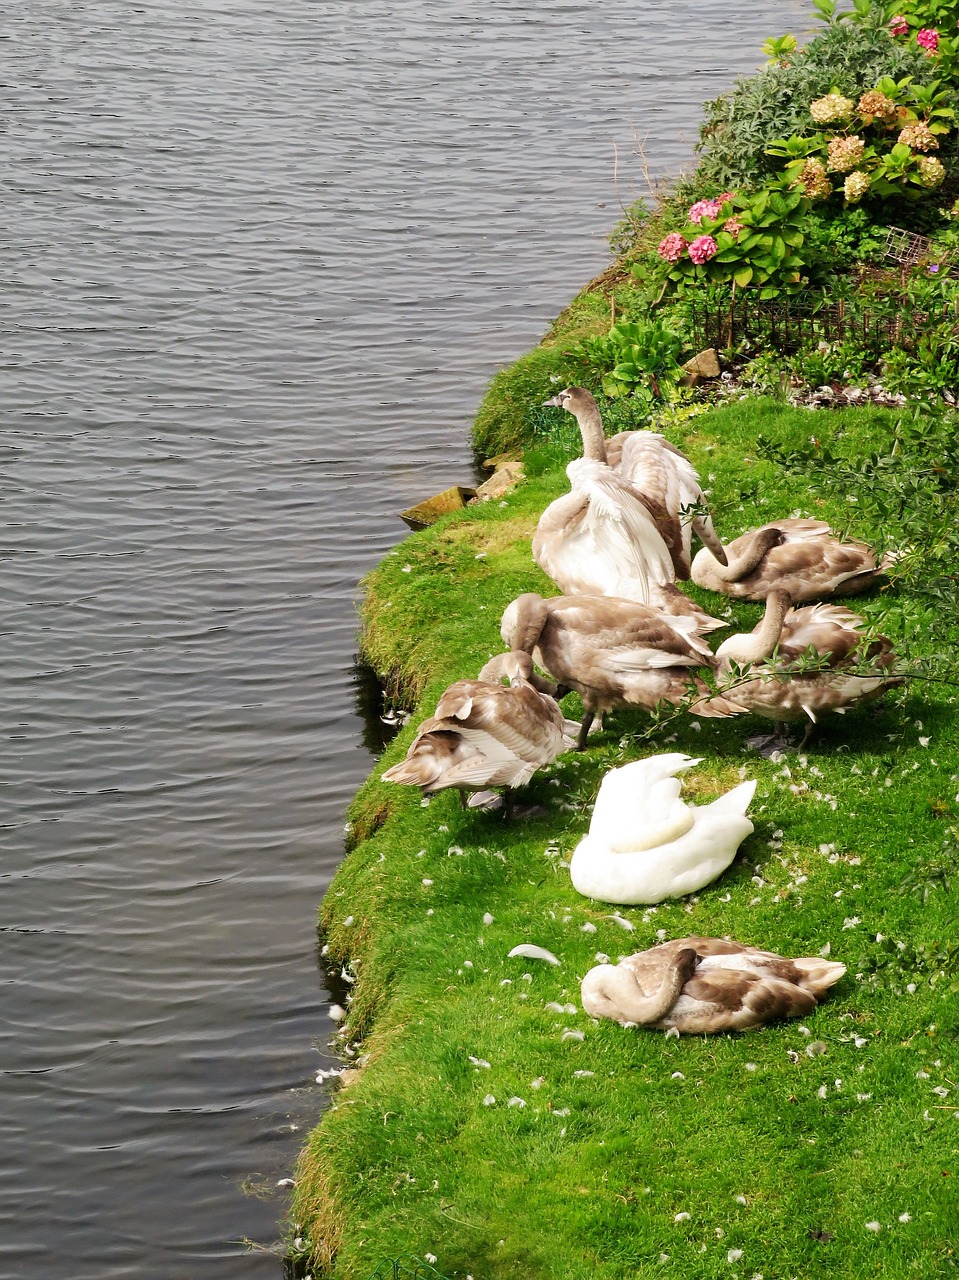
(428,512)
(500,482)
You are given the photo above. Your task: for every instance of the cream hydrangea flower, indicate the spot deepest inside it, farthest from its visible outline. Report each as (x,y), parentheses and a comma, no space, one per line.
(855,187)
(876,104)
(845,153)
(832,109)
(931,171)
(919,136)
(813,180)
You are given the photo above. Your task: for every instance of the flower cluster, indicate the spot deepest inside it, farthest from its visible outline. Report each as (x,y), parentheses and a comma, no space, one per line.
(931,171)
(702,249)
(845,153)
(708,208)
(877,106)
(919,136)
(832,109)
(813,180)
(898,26)
(855,187)
(928,39)
(733,226)
(672,247)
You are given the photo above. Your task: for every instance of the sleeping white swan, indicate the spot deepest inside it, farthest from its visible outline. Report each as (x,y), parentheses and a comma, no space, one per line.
(700,985)
(646,844)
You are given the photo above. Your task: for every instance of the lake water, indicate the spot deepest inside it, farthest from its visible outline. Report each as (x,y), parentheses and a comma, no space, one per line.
(258,265)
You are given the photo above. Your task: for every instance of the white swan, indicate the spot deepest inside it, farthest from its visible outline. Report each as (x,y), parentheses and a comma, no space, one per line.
(486,734)
(700,985)
(646,844)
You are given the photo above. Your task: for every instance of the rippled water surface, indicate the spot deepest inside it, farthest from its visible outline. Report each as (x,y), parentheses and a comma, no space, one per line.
(258,264)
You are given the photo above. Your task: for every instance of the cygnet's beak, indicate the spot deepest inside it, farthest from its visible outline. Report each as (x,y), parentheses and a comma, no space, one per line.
(556,402)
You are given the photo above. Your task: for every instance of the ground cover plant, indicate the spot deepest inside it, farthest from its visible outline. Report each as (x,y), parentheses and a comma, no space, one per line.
(495,1127)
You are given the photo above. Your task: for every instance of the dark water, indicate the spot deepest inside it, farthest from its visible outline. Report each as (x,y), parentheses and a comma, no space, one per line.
(258,264)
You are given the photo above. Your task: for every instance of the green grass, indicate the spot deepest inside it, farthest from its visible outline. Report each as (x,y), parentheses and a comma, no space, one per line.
(783,1154)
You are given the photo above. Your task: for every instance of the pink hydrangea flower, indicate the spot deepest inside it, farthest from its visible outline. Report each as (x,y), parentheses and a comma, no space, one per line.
(672,247)
(898,25)
(928,39)
(708,208)
(702,249)
(733,226)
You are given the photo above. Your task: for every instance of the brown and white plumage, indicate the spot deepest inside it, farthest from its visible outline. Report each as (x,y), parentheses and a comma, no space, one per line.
(663,474)
(613,652)
(801,664)
(701,985)
(484,733)
(801,556)
(600,538)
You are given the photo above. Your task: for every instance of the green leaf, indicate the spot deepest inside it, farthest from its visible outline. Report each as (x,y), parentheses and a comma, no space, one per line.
(743,276)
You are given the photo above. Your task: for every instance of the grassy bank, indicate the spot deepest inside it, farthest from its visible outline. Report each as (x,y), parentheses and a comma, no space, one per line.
(494,1126)
(487,1124)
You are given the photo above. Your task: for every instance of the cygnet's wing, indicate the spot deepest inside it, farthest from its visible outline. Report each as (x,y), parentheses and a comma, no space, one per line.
(831,630)
(729,1000)
(813,554)
(515,721)
(624,536)
(660,471)
(605,626)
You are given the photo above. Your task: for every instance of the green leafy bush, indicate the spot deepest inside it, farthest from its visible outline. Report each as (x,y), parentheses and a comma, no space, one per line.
(634,358)
(740,125)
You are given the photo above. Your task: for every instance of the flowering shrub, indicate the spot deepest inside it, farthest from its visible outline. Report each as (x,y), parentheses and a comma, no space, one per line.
(752,240)
(883,138)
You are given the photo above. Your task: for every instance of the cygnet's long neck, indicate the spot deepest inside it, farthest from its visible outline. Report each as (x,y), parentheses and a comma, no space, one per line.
(756,551)
(758,644)
(591,429)
(617,985)
(523,622)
